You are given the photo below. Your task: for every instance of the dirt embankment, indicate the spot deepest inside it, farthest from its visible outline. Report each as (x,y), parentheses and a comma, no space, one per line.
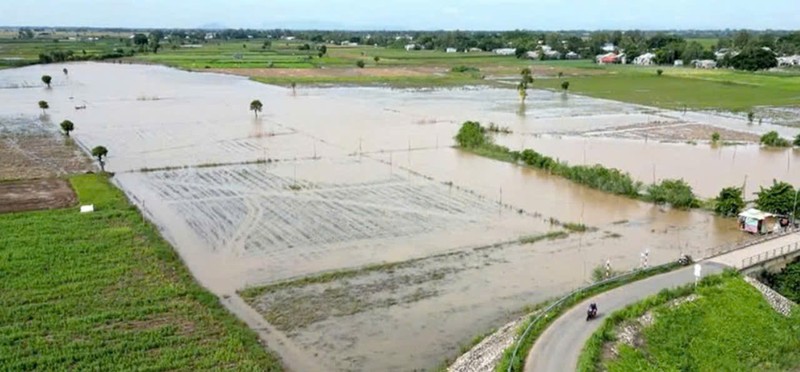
(674,131)
(29,195)
(331,72)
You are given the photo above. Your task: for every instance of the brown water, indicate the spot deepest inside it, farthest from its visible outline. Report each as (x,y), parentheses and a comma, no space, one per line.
(706,168)
(363,175)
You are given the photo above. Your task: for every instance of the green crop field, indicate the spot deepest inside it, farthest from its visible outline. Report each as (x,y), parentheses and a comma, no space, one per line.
(102,291)
(680,88)
(730,327)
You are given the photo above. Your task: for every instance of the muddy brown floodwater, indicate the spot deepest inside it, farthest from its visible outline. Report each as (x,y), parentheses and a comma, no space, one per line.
(339,178)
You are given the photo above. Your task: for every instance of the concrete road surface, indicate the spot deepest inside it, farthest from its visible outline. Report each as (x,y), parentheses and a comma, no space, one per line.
(558,348)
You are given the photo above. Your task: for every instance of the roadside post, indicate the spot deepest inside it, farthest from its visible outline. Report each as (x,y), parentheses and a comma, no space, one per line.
(697,271)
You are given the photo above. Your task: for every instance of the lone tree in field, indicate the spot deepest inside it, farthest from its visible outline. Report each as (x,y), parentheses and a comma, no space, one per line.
(44,106)
(67,126)
(360,63)
(46,79)
(100,152)
(565,86)
(256,106)
(525,80)
(376,59)
(659,72)
(715,137)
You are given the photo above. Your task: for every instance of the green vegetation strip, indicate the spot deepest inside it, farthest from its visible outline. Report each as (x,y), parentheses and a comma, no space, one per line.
(729,327)
(103,291)
(514,357)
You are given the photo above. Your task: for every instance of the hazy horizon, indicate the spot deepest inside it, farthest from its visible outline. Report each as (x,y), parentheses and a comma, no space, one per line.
(478,15)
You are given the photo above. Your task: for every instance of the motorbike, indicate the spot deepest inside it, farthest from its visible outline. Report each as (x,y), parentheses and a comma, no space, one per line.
(591,313)
(685,260)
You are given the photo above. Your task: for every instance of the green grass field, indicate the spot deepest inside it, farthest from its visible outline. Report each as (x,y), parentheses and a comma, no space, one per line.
(680,88)
(729,328)
(103,291)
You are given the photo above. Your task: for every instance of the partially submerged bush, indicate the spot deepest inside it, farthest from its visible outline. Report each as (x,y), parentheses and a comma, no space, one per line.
(677,193)
(773,139)
(463,68)
(729,202)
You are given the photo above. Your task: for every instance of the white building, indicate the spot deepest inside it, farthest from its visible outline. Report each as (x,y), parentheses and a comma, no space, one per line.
(789,60)
(475,50)
(410,47)
(705,63)
(505,51)
(645,59)
(451,50)
(608,47)
(678,63)
(572,55)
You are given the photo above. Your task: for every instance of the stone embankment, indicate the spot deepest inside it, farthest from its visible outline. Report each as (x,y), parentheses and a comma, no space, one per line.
(781,304)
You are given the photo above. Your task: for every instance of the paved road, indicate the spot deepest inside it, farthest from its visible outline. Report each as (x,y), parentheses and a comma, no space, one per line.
(558,348)
(734,259)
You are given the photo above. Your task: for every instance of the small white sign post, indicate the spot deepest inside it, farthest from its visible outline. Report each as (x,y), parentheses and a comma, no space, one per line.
(697,272)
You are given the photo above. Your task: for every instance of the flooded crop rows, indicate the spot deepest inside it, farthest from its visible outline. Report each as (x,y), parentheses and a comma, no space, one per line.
(268,212)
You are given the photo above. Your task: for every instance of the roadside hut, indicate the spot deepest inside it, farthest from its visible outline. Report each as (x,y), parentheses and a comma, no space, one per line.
(755,221)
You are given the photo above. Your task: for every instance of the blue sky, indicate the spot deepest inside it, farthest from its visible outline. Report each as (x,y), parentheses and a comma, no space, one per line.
(408,14)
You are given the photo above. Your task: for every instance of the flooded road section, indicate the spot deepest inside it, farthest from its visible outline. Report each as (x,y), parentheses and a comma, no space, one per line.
(340,178)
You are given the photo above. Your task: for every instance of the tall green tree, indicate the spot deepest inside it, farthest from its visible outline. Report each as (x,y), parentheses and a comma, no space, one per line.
(140,40)
(100,152)
(255,106)
(797,141)
(67,126)
(729,202)
(46,79)
(44,106)
(778,199)
(677,193)
(525,79)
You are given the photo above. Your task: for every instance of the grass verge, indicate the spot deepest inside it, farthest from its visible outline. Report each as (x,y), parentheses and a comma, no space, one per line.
(103,291)
(730,327)
(516,363)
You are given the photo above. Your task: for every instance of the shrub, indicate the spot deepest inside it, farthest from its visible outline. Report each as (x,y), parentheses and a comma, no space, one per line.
(778,199)
(360,63)
(565,85)
(773,139)
(677,193)
(471,135)
(463,68)
(729,202)
(715,137)
(659,72)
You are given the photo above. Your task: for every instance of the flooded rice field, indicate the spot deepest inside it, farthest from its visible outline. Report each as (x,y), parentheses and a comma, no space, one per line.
(366,179)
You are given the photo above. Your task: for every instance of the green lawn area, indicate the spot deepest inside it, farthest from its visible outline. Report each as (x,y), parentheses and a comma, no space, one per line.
(685,87)
(103,291)
(729,328)
(707,43)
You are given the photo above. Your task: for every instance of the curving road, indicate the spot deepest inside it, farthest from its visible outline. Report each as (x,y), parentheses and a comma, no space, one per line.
(558,348)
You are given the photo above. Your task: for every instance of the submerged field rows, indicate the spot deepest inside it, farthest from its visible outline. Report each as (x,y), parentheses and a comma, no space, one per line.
(268,210)
(103,291)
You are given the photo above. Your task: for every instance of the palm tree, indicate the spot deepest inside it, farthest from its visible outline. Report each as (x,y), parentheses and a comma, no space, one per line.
(44,106)
(47,79)
(256,106)
(100,152)
(522,87)
(67,126)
